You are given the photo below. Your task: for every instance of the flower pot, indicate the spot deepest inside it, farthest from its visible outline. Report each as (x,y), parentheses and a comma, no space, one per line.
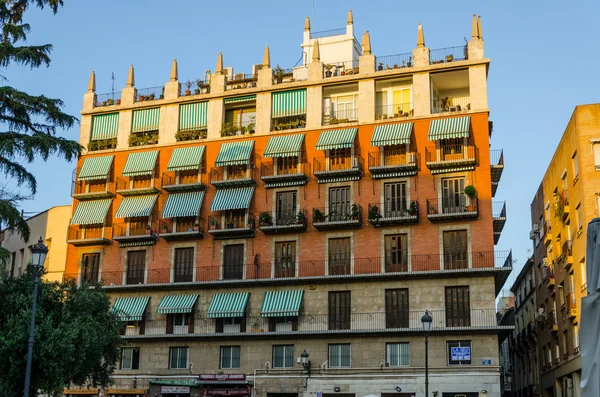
(395,66)
(104,103)
(196,92)
(188,92)
(118,101)
(343,73)
(279,80)
(328,74)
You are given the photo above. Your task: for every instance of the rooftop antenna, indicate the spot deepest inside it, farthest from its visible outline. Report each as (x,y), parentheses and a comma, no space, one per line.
(312,16)
(113,85)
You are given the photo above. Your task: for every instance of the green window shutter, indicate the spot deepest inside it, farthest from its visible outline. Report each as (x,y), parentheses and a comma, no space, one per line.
(288,103)
(105,126)
(193,116)
(145,120)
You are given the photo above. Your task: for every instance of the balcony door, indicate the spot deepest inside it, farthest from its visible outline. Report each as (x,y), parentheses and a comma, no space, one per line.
(285,259)
(286,165)
(136,267)
(339,203)
(456,247)
(453,195)
(458,308)
(340,255)
(396,253)
(90,268)
(339,159)
(183,269)
(396,308)
(396,199)
(233,260)
(286,208)
(339,310)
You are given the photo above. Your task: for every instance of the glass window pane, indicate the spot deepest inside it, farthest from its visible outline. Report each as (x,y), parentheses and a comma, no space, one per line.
(126,358)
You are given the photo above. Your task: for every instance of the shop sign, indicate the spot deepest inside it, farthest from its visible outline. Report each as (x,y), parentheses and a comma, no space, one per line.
(486,361)
(227,392)
(172,382)
(461,354)
(80,391)
(223,377)
(175,389)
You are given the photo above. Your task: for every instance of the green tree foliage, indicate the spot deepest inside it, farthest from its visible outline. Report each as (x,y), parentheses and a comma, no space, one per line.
(76,336)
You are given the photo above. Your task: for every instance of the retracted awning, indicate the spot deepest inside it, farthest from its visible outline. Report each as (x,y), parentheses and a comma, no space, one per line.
(135,206)
(230,304)
(140,163)
(91,212)
(448,128)
(94,168)
(237,198)
(177,304)
(130,308)
(104,126)
(337,139)
(282,303)
(245,98)
(145,120)
(284,146)
(234,153)
(193,116)
(288,103)
(186,158)
(392,134)
(183,204)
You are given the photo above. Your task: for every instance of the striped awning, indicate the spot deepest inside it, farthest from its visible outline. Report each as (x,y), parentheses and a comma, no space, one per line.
(337,139)
(193,116)
(288,103)
(284,146)
(91,212)
(141,163)
(234,153)
(105,126)
(177,304)
(95,168)
(130,308)
(281,303)
(392,134)
(237,198)
(183,204)
(145,120)
(186,158)
(134,206)
(448,128)
(230,304)
(237,99)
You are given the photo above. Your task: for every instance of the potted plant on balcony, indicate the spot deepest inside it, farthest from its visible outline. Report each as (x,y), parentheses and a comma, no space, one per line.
(471,192)
(213,224)
(395,66)
(188,86)
(196,227)
(354,212)
(149,230)
(199,84)
(412,208)
(301,218)
(118,101)
(110,102)
(380,66)
(318,216)
(265,219)
(256,326)
(250,223)
(449,58)
(164,228)
(328,68)
(374,215)
(230,221)
(151,96)
(278,73)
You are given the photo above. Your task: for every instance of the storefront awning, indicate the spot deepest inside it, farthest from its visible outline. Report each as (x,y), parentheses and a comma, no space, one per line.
(230,304)
(392,134)
(448,128)
(94,168)
(183,204)
(91,212)
(177,304)
(131,308)
(186,158)
(337,139)
(281,303)
(135,206)
(145,120)
(237,198)
(140,163)
(104,126)
(234,153)
(284,146)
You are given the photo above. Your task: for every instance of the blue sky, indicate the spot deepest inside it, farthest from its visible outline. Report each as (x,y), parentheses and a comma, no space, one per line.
(544,54)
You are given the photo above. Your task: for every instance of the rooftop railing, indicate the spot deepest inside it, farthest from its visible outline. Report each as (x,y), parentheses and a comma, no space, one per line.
(396,61)
(149,94)
(108,99)
(448,54)
(327,33)
(194,88)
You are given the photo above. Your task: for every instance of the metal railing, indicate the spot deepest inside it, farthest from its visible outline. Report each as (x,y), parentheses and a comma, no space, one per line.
(496,158)
(108,99)
(551,320)
(547,227)
(174,226)
(327,33)
(341,68)
(236,172)
(394,111)
(170,179)
(337,213)
(394,209)
(449,54)
(149,94)
(563,198)
(566,250)
(242,220)
(447,104)
(102,144)
(392,158)
(396,61)
(143,138)
(450,153)
(238,127)
(288,122)
(191,134)
(240,81)
(334,164)
(457,204)
(285,166)
(135,229)
(339,116)
(499,209)
(548,272)
(91,232)
(85,187)
(127,184)
(194,88)
(279,218)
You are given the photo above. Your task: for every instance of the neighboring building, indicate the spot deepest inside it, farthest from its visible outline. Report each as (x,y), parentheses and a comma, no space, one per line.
(51,225)
(507,317)
(238,222)
(505,301)
(567,199)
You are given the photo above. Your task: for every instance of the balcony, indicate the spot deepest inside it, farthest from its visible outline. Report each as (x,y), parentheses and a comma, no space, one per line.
(184,182)
(448,54)
(89,235)
(499,218)
(394,62)
(108,99)
(561,205)
(448,158)
(90,190)
(339,116)
(547,232)
(395,111)
(239,128)
(284,171)
(341,68)
(531,331)
(392,163)
(233,176)
(137,186)
(288,122)
(135,233)
(459,206)
(181,228)
(566,254)
(394,213)
(552,322)
(282,222)
(149,94)
(230,225)
(338,217)
(571,305)
(447,104)
(240,81)
(334,169)
(497,166)
(194,88)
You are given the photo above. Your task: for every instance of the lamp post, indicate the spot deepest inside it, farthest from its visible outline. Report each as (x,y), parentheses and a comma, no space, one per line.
(38,257)
(305,361)
(426,320)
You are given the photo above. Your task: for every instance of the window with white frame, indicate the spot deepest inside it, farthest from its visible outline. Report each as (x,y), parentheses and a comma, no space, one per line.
(178,357)
(575,336)
(130,358)
(339,355)
(596,146)
(230,357)
(583,274)
(283,356)
(579,217)
(397,354)
(575,166)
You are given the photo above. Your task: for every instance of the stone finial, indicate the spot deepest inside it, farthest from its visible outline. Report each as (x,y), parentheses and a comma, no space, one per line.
(479,27)
(474,30)
(130,77)
(174,71)
(420,37)
(350,18)
(219,69)
(92,82)
(307,23)
(316,56)
(366,43)
(267,58)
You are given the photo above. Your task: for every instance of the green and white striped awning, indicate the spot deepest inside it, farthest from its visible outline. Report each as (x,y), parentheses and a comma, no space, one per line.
(183,204)
(281,303)
(186,158)
(337,139)
(237,198)
(448,128)
(145,120)
(95,168)
(230,304)
(135,206)
(392,134)
(140,163)
(284,146)
(235,153)
(177,304)
(91,212)
(193,116)
(288,103)
(105,126)
(130,308)
(245,98)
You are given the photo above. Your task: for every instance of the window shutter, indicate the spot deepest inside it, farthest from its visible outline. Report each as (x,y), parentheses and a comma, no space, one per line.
(191,322)
(169,323)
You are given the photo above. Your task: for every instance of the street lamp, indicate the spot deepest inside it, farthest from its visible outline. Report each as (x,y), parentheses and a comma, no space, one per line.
(38,257)
(306,365)
(426,320)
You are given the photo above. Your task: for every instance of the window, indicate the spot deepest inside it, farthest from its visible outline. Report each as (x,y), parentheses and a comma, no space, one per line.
(561,295)
(396,308)
(180,323)
(451,149)
(565,350)
(230,325)
(575,166)
(575,336)
(396,354)
(230,357)
(178,357)
(458,311)
(90,267)
(556,350)
(339,159)
(459,352)
(285,259)
(339,203)
(233,259)
(395,199)
(136,267)
(339,310)
(238,171)
(579,217)
(283,356)
(130,358)
(455,250)
(285,213)
(339,356)
(596,147)
(286,165)
(583,274)
(340,256)
(13,263)
(396,253)
(183,269)
(453,196)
